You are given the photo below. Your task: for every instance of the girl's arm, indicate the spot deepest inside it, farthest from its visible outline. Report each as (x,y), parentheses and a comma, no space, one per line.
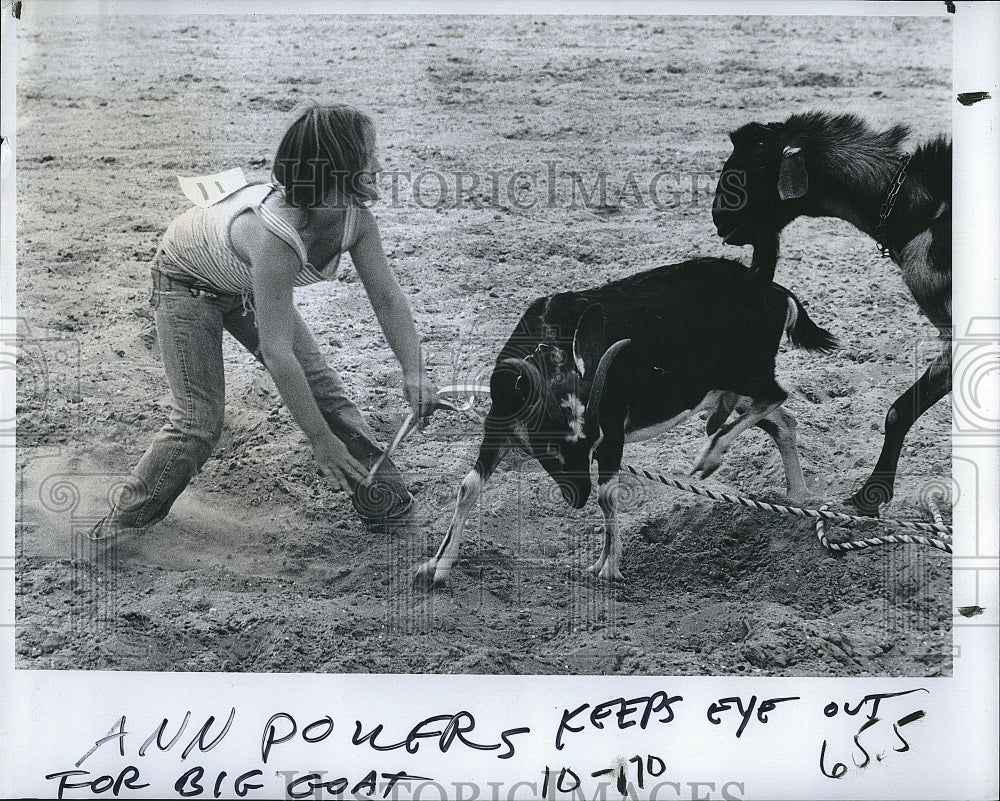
(393,312)
(273,269)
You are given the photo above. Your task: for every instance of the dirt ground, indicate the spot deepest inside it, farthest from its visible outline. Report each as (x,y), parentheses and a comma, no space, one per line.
(262,566)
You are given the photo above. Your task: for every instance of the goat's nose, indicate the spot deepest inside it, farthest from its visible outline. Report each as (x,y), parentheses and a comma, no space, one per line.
(574,492)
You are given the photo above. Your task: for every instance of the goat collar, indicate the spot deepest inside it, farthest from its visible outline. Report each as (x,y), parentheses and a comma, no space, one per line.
(539,349)
(888,205)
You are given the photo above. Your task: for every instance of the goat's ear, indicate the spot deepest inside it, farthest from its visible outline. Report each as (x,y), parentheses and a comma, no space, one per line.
(589,339)
(793,180)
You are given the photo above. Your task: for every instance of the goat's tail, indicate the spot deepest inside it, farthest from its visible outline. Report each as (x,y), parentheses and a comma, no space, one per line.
(803,332)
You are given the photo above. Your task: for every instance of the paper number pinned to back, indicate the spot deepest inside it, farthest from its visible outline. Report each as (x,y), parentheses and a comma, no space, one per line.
(207,190)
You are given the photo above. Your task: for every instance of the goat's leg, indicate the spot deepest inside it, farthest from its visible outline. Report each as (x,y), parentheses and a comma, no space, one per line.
(727,402)
(715,449)
(608,454)
(933,385)
(780,426)
(607,566)
(765,257)
(434,572)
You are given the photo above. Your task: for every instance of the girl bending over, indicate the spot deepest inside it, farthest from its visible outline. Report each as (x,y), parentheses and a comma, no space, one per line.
(233,266)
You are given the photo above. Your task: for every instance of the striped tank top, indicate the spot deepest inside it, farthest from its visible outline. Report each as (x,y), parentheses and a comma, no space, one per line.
(197,246)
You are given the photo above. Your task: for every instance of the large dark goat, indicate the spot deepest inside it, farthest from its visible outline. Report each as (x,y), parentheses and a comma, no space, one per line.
(836,166)
(584,370)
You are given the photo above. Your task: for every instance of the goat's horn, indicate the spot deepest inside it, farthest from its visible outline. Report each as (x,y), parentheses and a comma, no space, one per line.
(597,388)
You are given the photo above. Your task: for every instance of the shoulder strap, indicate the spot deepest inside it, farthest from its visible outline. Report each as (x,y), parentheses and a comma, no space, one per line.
(281,229)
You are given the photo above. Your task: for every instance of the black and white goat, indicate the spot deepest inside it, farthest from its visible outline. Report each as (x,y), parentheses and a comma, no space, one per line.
(822,165)
(585,370)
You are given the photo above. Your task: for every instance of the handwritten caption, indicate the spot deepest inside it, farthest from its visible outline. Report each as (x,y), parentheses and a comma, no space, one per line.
(874,739)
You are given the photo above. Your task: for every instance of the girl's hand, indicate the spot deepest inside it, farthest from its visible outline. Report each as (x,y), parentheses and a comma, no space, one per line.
(421,394)
(337,465)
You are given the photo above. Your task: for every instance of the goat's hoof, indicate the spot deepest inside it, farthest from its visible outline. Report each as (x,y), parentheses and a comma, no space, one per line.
(707,471)
(606,571)
(870,498)
(426,577)
(706,465)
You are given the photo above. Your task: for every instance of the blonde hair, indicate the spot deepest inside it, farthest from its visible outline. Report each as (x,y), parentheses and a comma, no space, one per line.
(327,146)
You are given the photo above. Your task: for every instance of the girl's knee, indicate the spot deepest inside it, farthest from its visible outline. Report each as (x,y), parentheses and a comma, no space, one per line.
(198,439)
(208,437)
(197,425)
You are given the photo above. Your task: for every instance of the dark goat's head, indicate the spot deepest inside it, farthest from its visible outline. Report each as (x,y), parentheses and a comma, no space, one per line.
(551,399)
(760,186)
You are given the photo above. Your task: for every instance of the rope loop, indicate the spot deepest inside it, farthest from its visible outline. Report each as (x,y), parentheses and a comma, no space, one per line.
(824,515)
(870,542)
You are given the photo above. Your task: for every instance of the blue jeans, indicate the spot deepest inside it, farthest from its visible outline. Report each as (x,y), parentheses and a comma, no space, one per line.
(189,324)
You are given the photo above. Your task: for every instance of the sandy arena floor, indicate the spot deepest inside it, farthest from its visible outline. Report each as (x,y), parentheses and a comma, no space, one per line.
(261,566)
